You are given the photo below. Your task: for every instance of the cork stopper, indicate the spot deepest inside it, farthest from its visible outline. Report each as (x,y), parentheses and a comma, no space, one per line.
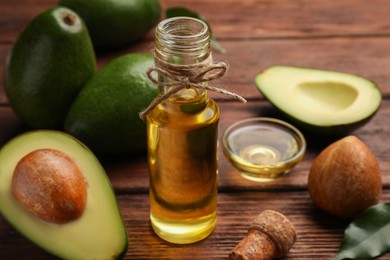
(278,228)
(271,235)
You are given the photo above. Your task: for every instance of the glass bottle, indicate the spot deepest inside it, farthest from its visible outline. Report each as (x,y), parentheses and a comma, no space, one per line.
(182,140)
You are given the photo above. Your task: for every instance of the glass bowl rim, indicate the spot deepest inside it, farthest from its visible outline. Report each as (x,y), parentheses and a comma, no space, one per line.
(289,128)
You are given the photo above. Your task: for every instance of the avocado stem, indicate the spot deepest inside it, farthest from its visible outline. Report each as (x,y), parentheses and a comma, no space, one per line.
(69,19)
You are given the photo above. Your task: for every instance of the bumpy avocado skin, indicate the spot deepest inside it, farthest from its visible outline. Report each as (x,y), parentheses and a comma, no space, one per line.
(99,233)
(331,130)
(47,67)
(114,23)
(105,115)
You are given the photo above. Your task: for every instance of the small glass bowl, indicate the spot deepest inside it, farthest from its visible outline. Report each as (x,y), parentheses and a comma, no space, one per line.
(263,148)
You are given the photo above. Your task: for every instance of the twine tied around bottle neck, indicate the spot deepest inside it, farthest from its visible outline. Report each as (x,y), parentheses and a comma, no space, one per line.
(187,76)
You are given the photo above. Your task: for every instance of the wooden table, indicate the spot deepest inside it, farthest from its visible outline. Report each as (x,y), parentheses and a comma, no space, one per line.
(349,36)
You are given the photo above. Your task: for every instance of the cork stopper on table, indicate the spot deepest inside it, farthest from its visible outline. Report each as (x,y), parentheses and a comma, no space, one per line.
(270,236)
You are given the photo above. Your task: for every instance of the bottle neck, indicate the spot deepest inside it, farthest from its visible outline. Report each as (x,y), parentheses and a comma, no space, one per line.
(185,42)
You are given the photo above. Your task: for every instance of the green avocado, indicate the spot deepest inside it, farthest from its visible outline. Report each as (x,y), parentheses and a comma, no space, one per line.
(320,101)
(105,115)
(114,23)
(48,65)
(98,232)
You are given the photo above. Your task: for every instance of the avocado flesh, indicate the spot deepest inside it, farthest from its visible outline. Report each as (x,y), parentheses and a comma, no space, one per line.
(98,234)
(321,101)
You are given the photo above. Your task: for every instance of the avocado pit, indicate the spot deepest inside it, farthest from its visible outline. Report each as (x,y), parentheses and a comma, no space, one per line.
(50,185)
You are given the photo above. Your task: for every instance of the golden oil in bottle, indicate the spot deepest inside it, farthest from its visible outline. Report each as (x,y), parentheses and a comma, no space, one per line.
(182,141)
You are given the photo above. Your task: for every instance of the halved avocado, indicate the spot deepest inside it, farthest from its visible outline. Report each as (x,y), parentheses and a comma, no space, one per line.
(320,101)
(97,232)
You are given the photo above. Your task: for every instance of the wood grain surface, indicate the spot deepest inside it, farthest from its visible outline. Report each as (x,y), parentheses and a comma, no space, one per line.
(349,36)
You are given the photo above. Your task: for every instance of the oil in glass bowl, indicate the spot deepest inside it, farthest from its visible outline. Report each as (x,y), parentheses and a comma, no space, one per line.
(263,149)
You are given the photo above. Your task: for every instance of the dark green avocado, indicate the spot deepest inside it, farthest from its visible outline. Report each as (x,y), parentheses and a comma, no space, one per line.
(98,232)
(105,115)
(114,23)
(48,65)
(320,101)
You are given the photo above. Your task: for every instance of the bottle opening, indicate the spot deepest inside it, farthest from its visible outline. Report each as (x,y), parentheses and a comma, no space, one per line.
(182,40)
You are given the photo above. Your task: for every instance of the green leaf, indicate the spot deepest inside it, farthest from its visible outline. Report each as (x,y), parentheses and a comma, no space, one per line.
(182,11)
(368,236)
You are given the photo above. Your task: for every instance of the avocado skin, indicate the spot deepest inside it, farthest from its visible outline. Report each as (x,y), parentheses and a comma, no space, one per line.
(114,23)
(105,115)
(331,130)
(46,68)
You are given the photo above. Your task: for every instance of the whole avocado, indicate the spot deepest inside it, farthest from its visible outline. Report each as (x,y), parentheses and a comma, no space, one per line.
(114,23)
(48,65)
(105,115)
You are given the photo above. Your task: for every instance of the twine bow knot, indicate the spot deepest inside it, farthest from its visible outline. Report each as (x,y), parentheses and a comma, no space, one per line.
(187,76)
